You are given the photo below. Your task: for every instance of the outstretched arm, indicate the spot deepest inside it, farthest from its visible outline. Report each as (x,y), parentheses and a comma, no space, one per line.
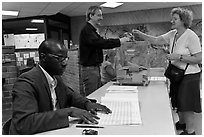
(159,40)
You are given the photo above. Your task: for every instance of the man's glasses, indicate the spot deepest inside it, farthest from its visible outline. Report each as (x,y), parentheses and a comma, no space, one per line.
(60,59)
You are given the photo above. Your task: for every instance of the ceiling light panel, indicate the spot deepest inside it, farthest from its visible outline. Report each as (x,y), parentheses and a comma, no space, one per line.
(31,28)
(10,13)
(37,21)
(111,4)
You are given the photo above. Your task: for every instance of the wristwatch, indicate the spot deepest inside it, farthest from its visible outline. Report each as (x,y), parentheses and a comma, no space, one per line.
(181,57)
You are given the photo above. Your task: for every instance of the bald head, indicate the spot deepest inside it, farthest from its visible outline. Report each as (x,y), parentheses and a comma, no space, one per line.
(53,56)
(51,46)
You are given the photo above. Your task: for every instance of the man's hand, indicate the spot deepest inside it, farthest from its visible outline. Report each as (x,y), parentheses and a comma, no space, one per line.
(86,116)
(129,35)
(124,40)
(94,107)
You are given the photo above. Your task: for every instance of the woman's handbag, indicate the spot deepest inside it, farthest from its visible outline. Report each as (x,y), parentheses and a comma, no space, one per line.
(174,73)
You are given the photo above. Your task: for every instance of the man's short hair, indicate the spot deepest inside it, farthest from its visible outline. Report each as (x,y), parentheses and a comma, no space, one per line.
(92,11)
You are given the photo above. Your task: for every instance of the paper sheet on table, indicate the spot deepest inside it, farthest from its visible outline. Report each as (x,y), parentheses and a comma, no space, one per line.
(121,96)
(115,88)
(157,78)
(124,112)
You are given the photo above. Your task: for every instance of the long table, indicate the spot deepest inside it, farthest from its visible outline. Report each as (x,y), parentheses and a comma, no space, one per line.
(155,107)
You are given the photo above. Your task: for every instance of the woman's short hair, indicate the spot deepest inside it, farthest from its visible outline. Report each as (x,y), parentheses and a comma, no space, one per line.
(185,15)
(91,11)
(110,53)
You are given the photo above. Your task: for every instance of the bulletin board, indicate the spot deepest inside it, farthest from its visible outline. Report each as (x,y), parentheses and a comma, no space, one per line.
(31,41)
(21,57)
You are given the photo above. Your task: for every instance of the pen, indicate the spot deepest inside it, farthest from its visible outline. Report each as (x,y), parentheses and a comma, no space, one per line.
(84,126)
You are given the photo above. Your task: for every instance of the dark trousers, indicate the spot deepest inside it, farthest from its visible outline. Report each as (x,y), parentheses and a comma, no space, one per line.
(91,79)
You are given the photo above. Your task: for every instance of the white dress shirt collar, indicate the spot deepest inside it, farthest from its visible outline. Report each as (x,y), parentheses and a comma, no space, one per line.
(51,81)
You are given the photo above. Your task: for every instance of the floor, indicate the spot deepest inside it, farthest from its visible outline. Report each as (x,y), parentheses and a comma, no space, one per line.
(198,122)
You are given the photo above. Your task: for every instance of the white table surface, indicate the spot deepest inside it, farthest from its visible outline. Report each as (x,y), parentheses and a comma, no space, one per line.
(156,113)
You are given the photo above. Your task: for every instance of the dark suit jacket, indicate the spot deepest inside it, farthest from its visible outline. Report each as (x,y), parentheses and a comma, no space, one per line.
(32,106)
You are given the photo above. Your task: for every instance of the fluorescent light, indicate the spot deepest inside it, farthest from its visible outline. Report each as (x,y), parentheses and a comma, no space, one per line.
(37,21)
(10,13)
(31,28)
(111,4)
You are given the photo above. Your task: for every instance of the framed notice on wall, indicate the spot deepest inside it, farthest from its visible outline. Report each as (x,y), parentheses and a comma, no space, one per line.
(31,41)
(9,40)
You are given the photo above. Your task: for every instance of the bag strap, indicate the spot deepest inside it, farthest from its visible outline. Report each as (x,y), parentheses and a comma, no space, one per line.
(173,45)
(173,42)
(186,67)
(172,51)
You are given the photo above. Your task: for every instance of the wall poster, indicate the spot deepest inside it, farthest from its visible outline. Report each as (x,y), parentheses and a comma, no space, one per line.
(23,41)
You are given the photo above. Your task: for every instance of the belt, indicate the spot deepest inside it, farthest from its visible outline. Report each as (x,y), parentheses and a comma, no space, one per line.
(90,67)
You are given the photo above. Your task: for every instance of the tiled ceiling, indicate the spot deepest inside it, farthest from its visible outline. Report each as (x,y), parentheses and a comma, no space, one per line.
(71,9)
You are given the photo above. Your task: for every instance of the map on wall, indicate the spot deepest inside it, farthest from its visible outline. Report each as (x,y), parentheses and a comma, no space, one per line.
(28,40)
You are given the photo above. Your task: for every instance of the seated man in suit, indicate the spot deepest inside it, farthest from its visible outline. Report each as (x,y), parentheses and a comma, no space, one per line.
(41,101)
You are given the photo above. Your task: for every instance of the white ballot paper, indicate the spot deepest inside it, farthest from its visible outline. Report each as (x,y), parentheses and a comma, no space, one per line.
(157,78)
(115,88)
(124,106)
